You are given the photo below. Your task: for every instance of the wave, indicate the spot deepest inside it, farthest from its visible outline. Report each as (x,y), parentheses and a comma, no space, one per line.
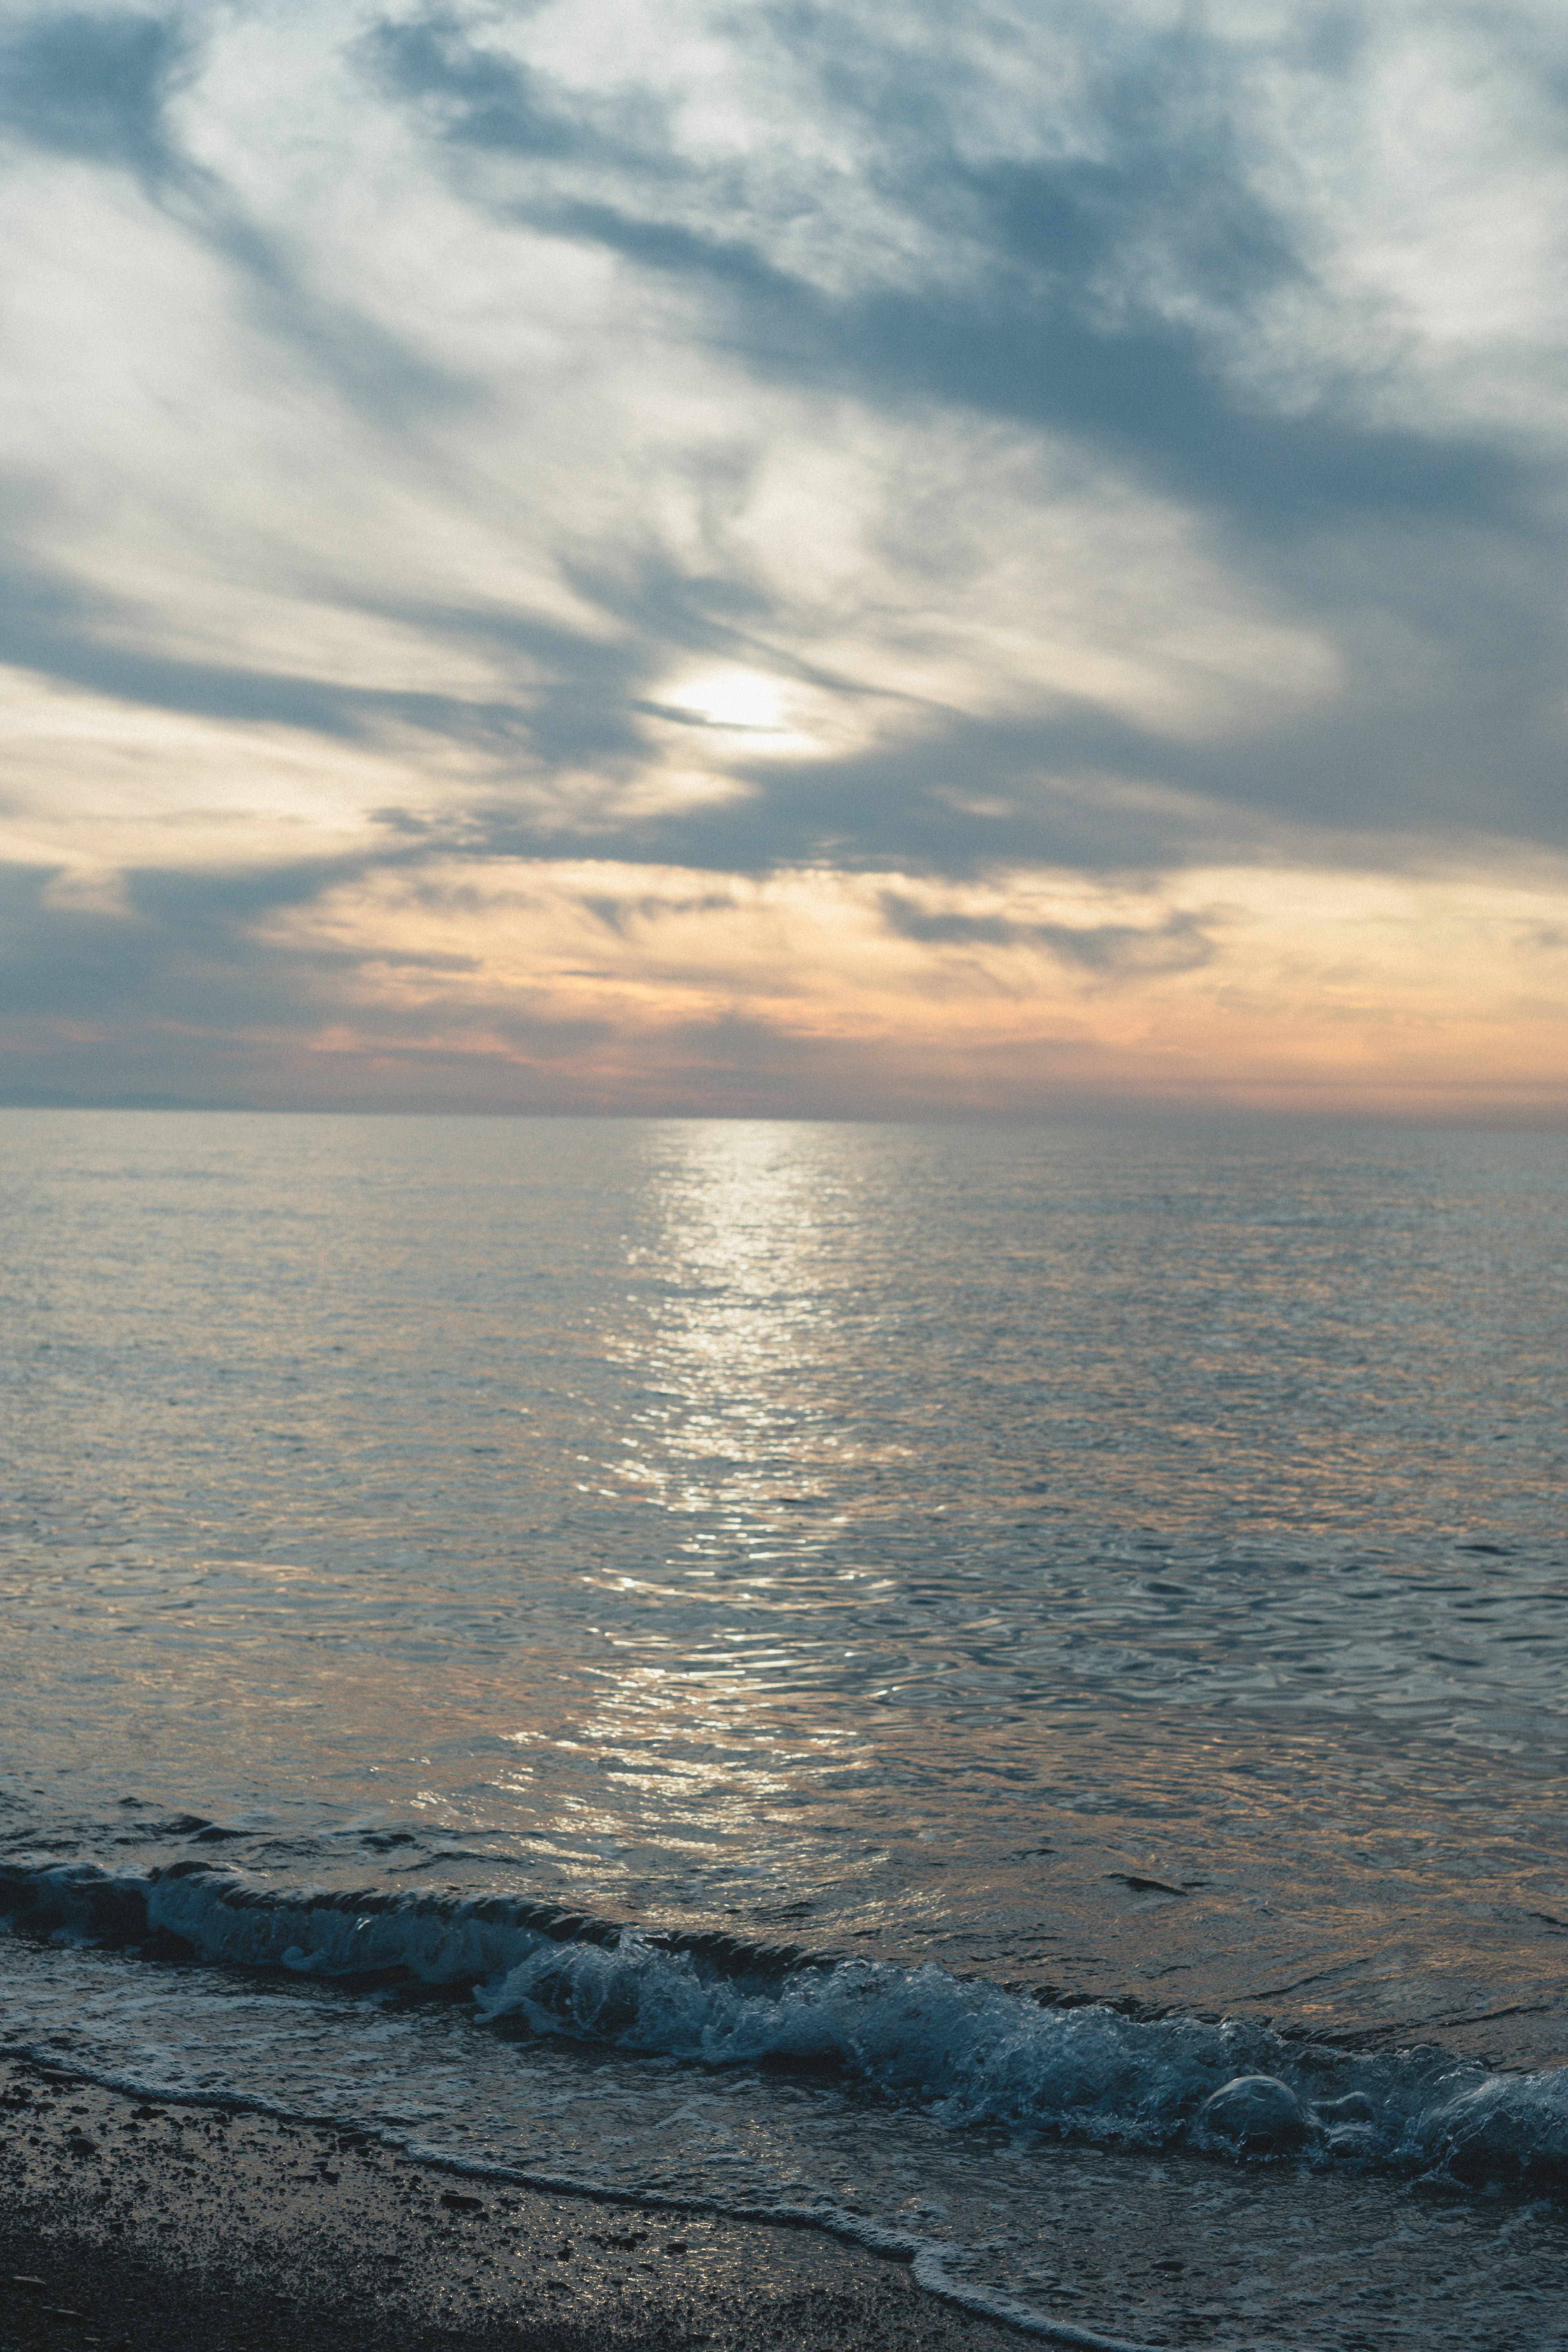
(965,2051)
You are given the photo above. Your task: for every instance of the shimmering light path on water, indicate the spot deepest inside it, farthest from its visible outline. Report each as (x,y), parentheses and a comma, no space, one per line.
(1130,1561)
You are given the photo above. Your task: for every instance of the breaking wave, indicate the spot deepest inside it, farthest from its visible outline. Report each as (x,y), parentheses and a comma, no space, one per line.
(967,2052)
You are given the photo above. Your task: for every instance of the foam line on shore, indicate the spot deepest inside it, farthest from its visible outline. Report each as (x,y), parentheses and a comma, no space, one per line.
(927,2259)
(966,2051)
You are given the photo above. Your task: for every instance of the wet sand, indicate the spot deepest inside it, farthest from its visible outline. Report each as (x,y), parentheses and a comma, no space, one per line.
(151,2227)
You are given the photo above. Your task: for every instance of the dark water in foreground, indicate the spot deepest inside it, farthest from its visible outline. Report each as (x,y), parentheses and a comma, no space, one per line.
(1027,1566)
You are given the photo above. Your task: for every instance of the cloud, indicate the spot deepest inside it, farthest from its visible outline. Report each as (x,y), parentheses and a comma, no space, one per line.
(95,86)
(873,456)
(545,986)
(473,96)
(1113,950)
(1093,292)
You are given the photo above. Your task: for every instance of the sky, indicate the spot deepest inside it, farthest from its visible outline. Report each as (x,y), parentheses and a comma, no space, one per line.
(889,561)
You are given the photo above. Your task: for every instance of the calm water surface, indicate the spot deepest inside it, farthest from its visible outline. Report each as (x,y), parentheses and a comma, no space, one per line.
(1129,1564)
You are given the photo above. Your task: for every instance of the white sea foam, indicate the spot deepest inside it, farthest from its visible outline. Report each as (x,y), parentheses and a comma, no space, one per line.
(974,2052)
(965,2052)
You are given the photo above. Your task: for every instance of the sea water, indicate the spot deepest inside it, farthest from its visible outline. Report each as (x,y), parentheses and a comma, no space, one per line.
(874,1674)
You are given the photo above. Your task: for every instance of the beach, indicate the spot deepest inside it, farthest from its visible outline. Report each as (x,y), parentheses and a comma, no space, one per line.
(126,2224)
(135,2225)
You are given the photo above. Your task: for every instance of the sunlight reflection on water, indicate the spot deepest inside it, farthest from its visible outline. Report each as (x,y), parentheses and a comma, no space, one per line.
(898,1536)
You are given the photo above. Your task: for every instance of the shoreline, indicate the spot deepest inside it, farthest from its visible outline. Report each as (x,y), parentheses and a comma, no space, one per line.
(139,2225)
(151,2224)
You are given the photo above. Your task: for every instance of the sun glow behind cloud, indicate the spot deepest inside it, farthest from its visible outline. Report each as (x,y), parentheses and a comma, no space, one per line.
(870,563)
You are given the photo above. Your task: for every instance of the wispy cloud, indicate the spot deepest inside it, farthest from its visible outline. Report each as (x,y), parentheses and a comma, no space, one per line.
(1115,951)
(887,454)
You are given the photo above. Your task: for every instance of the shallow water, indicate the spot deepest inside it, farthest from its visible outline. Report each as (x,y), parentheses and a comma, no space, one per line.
(1124,1564)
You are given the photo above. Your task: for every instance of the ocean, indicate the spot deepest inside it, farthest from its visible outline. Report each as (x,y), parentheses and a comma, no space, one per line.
(997,1691)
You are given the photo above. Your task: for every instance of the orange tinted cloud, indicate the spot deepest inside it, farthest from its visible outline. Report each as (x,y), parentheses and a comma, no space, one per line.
(1243,989)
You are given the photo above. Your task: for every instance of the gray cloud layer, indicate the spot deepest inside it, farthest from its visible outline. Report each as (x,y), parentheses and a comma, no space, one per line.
(1143,292)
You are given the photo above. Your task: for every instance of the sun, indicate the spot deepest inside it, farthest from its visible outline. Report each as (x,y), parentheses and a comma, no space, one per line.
(741,702)
(743,698)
